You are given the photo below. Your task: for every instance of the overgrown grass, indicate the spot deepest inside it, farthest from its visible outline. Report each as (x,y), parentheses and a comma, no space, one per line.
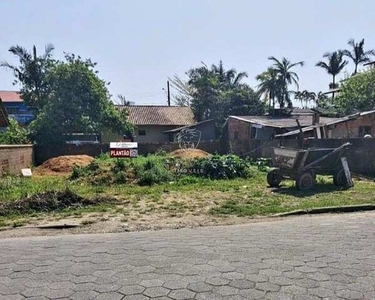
(181,195)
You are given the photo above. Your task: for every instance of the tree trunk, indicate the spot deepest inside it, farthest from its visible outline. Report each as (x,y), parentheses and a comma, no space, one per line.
(334,86)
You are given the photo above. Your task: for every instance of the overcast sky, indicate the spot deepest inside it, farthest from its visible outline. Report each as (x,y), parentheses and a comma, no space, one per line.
(139,44)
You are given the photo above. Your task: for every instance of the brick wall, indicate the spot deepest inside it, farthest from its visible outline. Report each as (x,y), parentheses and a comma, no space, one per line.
(238,135)
(14,158)
(352,129)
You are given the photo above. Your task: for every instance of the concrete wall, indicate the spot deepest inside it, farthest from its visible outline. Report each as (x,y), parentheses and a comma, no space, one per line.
(361,155)
(153,133)
(44,153)
(14,158)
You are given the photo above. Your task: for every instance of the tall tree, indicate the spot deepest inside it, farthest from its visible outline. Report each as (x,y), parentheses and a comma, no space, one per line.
(357,93)
(122,100)
(31,74)
(334,65)
(229,77)
(269,86)
(286,78)
(78,101)
(184,91)
(305,97)
(215,92)
(358,54)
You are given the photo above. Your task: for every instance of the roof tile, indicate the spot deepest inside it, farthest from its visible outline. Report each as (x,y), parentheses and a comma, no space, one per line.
(10,96)
(159,115)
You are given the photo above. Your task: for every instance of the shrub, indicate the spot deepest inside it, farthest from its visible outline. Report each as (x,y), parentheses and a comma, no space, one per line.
(14,134)
(222,167)
(77,172)
(120,165)
(155,175)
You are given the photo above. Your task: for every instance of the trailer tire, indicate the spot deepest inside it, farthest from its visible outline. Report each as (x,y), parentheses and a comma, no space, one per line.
(305,181)
(274,178)
(339,178)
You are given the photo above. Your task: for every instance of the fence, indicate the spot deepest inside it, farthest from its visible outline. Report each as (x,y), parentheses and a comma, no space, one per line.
(361,155)
(43,153)
(14,158)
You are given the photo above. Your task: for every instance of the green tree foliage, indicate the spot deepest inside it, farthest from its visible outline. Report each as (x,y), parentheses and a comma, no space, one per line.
(305,97)
(77,101)
(357,93)
(275,82)
(357,53)
(31,74)
(334,65)
(214,93)
(15,134)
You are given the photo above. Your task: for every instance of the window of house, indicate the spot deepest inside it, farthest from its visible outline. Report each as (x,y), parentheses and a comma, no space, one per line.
(363,130)
(141,132)
(253,132)
(12,110)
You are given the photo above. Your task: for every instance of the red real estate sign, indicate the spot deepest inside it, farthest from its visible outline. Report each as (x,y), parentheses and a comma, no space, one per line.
(123,149)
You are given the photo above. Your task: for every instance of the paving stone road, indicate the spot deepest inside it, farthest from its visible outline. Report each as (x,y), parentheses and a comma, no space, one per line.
(319,257)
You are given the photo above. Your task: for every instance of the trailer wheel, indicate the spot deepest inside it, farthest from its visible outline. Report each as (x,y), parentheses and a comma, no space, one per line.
(305,181)
(339,178)
(274,178)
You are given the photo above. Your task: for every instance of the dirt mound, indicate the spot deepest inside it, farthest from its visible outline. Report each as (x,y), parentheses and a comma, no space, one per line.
(189,153)
(49,201)
(63,164)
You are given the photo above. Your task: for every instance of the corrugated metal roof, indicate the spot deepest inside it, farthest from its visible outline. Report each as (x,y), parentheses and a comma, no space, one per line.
(328,123)
(281,122)
(159,115)
(10,96)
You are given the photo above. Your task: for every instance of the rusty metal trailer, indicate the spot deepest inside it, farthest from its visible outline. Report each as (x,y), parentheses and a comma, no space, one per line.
(302,165)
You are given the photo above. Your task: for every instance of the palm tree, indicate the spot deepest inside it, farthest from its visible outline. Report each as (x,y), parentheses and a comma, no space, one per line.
(305,97)
(334,66)
(286,77)
(357,54)
(229,77)
(122,100)
(30,72)
(269,86)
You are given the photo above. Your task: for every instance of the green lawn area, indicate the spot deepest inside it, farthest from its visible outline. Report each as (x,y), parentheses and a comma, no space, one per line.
(189,197)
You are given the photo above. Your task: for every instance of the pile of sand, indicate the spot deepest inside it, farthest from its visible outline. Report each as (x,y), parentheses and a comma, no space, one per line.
(63,164)
(189,153)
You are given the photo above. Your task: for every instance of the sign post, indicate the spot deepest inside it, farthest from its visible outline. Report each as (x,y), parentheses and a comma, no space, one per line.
(123,150)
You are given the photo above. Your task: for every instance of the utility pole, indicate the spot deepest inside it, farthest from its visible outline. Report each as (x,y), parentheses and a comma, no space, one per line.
(168,94)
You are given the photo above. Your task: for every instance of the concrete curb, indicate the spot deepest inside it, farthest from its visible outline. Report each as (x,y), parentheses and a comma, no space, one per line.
(328,209)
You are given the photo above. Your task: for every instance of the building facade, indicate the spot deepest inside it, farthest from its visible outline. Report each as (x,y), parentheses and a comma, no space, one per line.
(15,107)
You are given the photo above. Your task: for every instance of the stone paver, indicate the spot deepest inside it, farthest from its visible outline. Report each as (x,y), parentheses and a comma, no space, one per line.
(319,257)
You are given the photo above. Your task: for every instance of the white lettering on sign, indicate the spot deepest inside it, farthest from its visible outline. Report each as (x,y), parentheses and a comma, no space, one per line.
(123,145)
(123,149)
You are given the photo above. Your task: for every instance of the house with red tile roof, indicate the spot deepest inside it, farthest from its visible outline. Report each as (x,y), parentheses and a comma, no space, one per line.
(4,122)
(15,107)
(152,121)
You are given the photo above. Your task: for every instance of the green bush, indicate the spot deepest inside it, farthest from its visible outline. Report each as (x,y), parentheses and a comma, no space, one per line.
(155,175)
(15,134)
(221,167)
(120,165)
(153,170)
